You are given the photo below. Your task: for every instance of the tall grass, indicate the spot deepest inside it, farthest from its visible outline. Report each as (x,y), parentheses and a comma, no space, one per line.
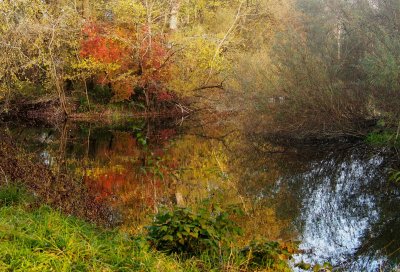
(45,240)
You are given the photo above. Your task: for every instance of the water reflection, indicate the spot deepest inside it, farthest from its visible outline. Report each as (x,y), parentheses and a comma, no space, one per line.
(335,200)
(338,212)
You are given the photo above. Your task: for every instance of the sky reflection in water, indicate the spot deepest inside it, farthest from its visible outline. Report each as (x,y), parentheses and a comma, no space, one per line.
(336,213)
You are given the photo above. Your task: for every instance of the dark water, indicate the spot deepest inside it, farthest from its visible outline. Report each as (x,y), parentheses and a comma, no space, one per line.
(335,199)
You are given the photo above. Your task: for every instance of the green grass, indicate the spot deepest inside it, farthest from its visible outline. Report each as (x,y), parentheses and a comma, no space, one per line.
(43,239)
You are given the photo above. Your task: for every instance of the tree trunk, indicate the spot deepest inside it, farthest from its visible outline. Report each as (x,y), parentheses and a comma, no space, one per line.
(173,20)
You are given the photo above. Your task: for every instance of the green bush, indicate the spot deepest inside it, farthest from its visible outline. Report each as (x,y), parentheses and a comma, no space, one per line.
(101,94)
(185,231)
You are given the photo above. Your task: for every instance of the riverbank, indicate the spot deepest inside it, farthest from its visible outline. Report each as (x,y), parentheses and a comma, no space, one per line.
(48,110)
(44,240)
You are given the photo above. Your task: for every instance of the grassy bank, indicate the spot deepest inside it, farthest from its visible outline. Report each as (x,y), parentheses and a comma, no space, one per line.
(41,239)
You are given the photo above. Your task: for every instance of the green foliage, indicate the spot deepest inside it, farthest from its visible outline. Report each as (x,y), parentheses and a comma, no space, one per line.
(185,231)
(267,254)
(101,94)
(209,235)
(326,267)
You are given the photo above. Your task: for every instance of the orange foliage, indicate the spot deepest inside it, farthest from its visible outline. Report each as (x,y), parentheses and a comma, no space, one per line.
(140,188)
(102,47)
(145,64)
(106,45)
(103,186)
(154,59)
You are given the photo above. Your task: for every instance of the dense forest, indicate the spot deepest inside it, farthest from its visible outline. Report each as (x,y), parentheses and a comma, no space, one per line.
(147,52)
(192,135)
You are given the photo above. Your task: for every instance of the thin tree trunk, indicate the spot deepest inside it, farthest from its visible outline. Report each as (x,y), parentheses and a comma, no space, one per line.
(173,20)
(87,94)
(55,76)
(221,43)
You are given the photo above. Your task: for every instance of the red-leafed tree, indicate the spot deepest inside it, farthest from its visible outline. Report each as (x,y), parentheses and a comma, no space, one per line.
(125,59)
(110,56)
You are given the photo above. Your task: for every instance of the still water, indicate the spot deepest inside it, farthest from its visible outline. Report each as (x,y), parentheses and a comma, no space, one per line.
(334,199)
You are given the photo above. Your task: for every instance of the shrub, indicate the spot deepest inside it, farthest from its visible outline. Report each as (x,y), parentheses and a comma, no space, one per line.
(185,231)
